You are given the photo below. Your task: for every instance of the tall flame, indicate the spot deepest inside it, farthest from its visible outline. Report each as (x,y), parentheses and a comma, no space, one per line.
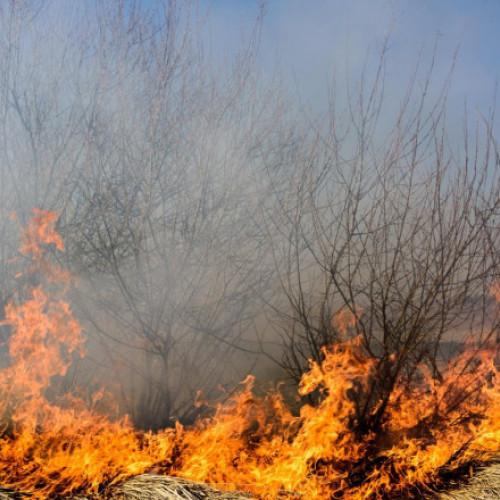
(252,443)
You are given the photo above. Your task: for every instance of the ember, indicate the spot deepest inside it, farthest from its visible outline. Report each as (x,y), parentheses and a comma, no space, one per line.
(250,443)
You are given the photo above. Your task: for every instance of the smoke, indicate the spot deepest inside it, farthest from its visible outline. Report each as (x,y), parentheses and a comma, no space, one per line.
(181,163)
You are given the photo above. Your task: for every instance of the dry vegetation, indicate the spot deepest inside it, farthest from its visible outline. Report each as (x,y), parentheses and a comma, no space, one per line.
(485,485)
(212,223)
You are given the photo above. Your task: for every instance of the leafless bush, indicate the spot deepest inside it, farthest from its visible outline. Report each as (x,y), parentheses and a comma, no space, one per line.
(390,233)
(197,204)
(114,115)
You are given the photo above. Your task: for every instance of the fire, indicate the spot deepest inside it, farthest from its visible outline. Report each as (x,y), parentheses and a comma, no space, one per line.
(49,448)
(63,447)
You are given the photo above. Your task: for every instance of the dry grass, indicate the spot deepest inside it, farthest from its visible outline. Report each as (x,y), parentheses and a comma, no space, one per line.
(485,485)
(149,487)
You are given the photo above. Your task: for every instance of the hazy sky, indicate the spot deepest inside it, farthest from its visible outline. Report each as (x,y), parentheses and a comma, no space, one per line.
(316,39)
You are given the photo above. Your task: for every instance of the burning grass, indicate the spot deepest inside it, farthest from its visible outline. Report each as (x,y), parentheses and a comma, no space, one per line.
(433,428)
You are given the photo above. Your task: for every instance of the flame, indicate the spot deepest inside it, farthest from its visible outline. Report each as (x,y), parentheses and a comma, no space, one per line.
(64,447)
(48,448)
(345,319)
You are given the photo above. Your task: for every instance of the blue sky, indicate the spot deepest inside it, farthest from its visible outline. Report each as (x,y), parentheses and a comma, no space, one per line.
(316,39)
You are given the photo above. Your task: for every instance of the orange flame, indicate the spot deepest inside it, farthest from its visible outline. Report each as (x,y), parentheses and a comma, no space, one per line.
(345,319)
(251,443)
